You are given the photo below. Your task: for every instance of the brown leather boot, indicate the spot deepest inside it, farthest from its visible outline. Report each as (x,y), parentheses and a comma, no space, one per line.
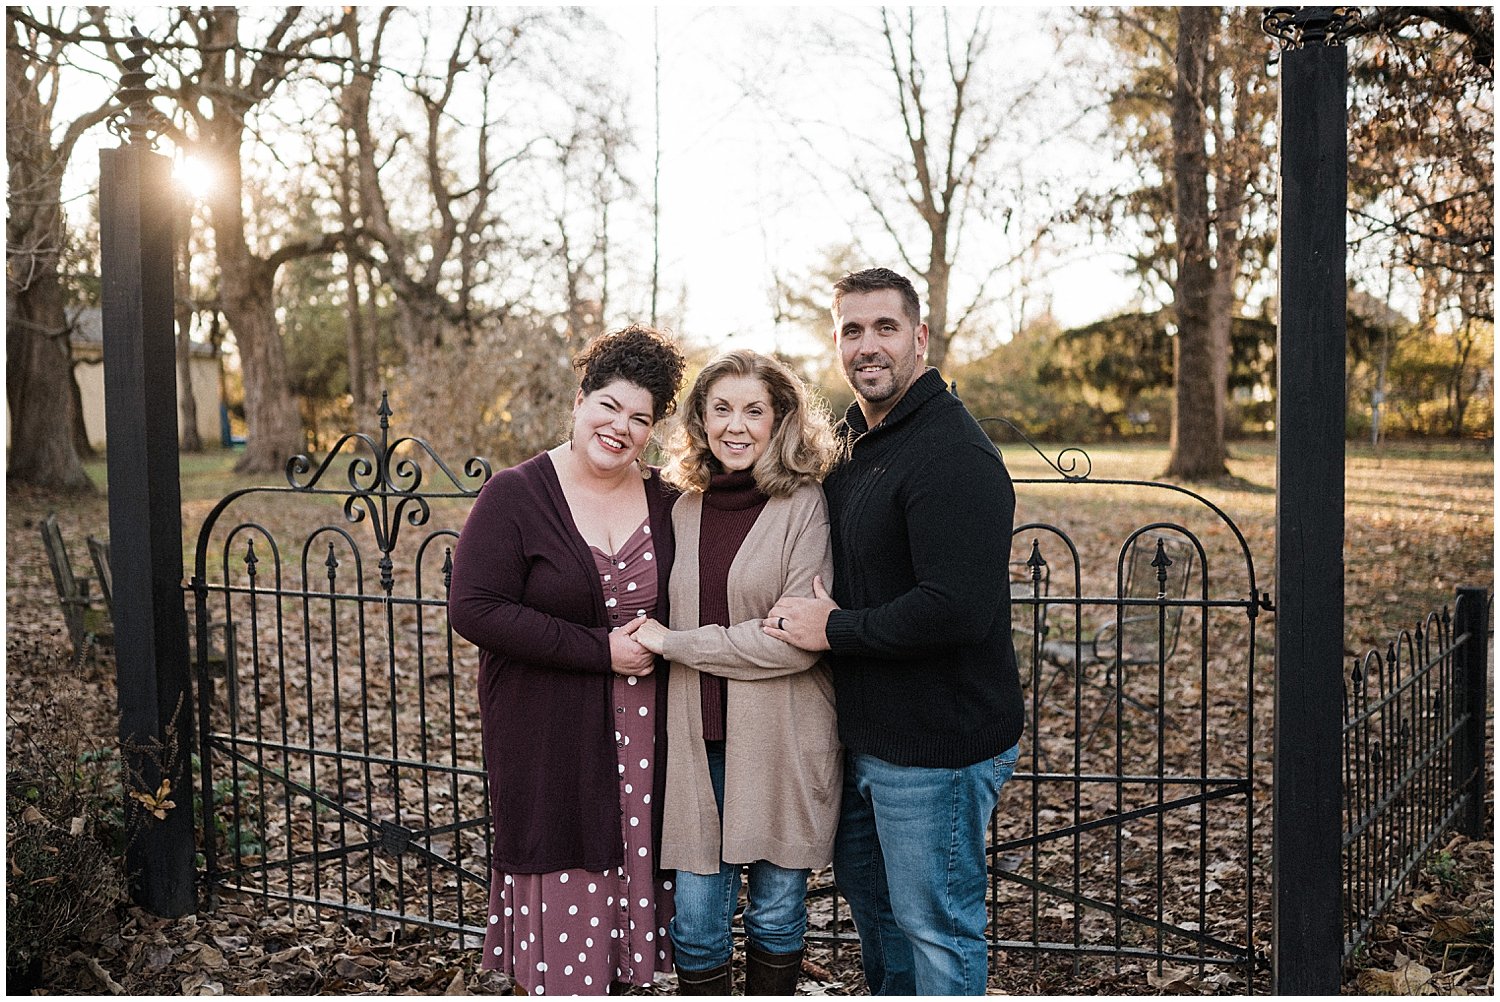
(771,973)
(714,981)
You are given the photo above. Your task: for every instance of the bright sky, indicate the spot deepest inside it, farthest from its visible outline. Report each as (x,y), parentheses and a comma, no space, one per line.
(738,193)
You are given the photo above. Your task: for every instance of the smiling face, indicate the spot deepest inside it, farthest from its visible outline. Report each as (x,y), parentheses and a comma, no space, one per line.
(880,348)
(612,425)
(738,419)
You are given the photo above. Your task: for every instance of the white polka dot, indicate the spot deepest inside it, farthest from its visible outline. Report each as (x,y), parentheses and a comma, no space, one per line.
(631,680)
(645,903)
(661,954)
(622,563)
(631,587)
(587,980)
(523,944)
(611,603)
(650,936)
(645,763)
(572,909)
(508,881)
(632,924)
(648,557)
(594,920)
(562,937)
(634,822)
(541,989)
(622,768)
(589,942)
(647,799)
(582,957)
(508,913)
(494,919)
(629,788)
(617,735)
(593,888)
(662,931)
(498,951)
(637,958)
(544,906)
(640,612)
(609,901)
(607,578)
(643,711)
(531,938)
(642,851)
(647,530)
(541,966)
(568,969)
(523,909)
(562,878)
(614,934)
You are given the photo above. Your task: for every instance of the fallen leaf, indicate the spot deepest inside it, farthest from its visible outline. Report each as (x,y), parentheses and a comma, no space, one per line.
(456,986)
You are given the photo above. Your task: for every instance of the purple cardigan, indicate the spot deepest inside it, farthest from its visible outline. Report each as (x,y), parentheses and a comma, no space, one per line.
(526,592)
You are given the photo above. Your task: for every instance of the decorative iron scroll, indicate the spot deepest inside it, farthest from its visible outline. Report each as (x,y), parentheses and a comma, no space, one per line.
(1067,461)
(1295,27)
(377,481)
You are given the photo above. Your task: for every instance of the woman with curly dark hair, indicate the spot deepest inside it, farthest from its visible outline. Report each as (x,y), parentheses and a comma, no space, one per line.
(560,562)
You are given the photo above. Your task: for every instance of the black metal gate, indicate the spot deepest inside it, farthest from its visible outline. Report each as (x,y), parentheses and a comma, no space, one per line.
(1129,832)
(339,748)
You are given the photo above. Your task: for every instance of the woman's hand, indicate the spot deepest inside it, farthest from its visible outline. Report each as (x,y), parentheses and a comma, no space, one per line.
(652,635)
(626,656)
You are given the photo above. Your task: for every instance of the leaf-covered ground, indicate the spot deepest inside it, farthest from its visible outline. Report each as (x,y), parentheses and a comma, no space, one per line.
(1419,522)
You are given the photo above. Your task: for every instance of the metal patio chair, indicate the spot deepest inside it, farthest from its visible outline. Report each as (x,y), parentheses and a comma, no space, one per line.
(218,658)
(86,615)
(1143,630)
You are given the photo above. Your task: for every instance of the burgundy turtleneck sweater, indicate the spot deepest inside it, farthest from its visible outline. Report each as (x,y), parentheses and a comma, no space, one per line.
(731,505)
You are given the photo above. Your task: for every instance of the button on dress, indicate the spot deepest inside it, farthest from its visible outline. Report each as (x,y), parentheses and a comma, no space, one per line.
(572,932)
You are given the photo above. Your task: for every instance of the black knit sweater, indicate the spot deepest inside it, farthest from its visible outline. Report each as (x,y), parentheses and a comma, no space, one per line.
(921,510)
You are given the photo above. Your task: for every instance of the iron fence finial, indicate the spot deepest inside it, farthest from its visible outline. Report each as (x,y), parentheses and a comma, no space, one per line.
(139,120)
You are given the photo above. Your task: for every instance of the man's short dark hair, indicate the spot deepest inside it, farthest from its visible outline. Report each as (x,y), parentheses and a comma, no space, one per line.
(875,279)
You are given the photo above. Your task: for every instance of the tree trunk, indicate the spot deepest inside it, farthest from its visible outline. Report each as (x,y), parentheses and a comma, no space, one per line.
(246,285)
(182,309)
(1197,412)
(938,336)
(39,383)
(38,374)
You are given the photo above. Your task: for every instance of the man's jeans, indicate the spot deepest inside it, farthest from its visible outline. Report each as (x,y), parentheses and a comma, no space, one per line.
(775,917)
(910,860)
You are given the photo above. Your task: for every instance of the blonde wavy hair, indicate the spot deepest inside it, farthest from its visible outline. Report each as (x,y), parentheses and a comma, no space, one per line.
(802,447)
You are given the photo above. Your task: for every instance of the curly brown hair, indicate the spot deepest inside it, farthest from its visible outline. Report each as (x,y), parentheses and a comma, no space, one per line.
(801,449)
(637,354)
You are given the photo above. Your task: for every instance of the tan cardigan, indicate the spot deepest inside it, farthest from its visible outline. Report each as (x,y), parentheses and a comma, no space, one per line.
(783,767)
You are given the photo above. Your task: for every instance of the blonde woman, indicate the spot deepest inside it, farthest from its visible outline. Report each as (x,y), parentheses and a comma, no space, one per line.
(754,767)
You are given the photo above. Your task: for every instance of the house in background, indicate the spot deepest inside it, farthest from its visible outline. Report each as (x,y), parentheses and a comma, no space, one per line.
(87,343)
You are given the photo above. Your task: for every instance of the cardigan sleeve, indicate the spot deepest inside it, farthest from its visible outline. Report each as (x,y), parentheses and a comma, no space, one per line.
(489,577)
(742,651)
(959,510)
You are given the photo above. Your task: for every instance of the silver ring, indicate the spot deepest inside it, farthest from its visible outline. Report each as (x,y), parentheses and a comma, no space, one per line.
(781,623)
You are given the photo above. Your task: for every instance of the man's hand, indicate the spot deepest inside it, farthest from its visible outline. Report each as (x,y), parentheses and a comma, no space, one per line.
(801,622)
(626,657)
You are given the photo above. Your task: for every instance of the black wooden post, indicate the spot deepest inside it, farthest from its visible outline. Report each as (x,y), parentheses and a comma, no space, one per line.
(136,214)
(1471,614)
(1307,798)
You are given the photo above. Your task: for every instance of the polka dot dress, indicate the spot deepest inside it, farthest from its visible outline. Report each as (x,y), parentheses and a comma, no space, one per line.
(572,932)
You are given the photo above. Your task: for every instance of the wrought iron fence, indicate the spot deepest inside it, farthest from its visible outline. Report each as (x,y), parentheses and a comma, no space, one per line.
(1413,749)
(339,752)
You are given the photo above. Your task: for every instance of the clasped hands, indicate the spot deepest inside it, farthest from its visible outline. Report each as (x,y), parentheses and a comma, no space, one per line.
(801,622)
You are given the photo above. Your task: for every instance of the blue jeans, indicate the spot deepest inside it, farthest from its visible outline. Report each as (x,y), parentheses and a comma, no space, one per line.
(910,860)
(775,917)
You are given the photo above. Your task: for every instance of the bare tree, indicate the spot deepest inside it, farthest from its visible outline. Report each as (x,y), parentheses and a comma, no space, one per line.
(945,171)
(38,365)
(221,80)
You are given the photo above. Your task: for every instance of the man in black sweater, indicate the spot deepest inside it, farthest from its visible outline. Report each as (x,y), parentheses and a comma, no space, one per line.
(918,627)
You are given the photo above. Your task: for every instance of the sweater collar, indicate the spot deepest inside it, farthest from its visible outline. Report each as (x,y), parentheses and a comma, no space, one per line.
(928,385)
(734,491)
